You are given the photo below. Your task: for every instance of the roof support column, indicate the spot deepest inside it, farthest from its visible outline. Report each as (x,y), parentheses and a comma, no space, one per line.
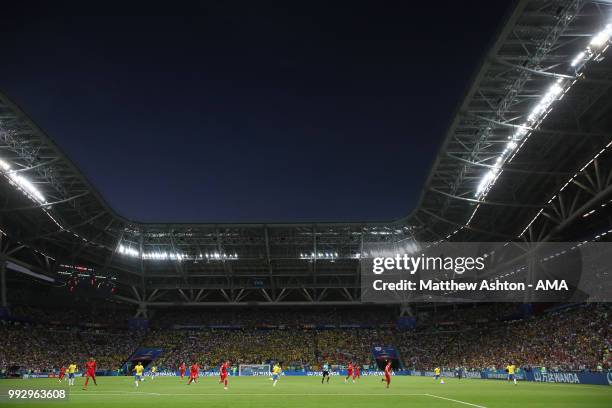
(142,310)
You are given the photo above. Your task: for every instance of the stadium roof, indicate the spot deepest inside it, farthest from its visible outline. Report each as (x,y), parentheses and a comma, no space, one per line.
(525,157)
(536,112)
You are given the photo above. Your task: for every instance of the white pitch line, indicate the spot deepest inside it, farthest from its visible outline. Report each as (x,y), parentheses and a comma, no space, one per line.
(457,401)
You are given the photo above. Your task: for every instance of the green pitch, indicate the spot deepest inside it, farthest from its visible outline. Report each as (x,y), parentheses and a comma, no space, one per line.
(308,392)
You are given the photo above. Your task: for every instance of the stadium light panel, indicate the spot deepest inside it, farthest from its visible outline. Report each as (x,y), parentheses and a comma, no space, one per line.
(22,183)
(578,58)
(539,112)
(27,185)
(601,37)
(5,166)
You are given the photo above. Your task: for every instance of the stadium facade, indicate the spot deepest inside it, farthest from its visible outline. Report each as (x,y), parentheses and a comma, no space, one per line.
(527,157)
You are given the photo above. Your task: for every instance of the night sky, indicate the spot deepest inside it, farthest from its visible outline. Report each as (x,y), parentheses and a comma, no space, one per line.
(248,111)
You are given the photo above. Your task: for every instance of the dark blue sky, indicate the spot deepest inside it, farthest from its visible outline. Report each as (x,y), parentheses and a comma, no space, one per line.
(247,111)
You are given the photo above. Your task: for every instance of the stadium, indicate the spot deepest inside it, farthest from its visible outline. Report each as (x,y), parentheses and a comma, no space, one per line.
(297,314)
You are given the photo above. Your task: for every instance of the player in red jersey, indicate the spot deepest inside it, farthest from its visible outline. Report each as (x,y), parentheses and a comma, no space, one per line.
(182,369)
(223,370)
(90,372)
(388,373)
(193,373)
(62,373)
(349,372)
(356,372)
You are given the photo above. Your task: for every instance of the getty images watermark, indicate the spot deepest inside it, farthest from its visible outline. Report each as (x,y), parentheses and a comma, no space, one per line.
(489,272)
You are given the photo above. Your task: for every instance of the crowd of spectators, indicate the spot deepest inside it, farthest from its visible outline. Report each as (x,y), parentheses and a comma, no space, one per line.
(575,339)
(243,346)
(342,346)
(41,348)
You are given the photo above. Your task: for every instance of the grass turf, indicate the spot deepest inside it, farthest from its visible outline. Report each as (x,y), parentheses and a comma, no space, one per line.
(308,392)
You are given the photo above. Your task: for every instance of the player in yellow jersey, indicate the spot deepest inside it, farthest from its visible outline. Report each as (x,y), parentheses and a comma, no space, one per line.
(511,370)
(437,375)
(153,372)
(276,372)
(138,370)
(72,368)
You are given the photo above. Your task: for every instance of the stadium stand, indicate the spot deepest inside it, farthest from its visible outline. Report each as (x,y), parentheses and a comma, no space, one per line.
(577,338)
(41,348)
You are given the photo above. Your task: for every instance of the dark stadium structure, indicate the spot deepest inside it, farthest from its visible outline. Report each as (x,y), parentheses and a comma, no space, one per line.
(527,156)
